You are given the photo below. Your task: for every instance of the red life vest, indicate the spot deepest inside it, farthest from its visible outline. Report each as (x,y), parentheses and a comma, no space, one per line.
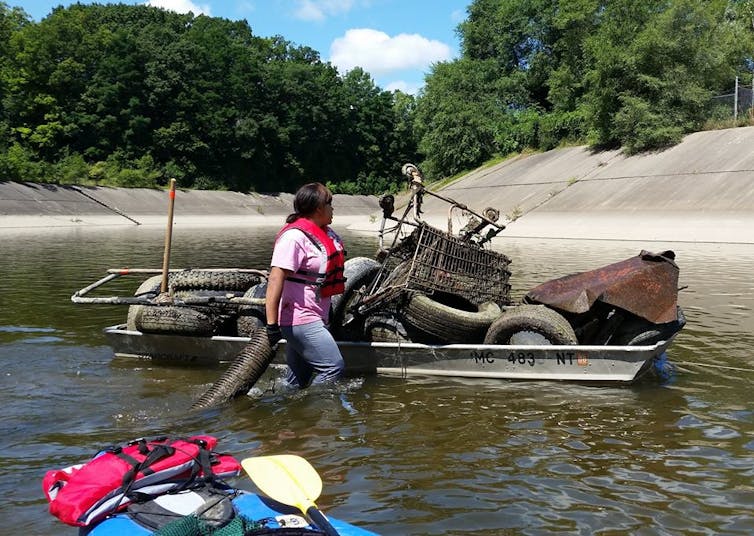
(331,281)
(85,493)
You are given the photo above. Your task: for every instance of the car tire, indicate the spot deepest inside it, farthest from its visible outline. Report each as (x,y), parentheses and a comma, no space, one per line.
(641,332)
(385,328)
(149,288)
(359,272)
(171,319)
(251,317)
(448,318)
(530,325)
(222,280)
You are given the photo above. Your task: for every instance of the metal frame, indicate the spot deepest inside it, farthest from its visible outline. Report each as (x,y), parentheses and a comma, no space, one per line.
(115,273)
(436,260)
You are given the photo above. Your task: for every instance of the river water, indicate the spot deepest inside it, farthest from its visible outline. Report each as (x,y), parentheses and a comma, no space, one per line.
(399,456)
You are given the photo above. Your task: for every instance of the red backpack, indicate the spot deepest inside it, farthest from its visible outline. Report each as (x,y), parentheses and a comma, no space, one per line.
(85,493)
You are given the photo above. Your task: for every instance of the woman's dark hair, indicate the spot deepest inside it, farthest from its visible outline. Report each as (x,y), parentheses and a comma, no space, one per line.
(308,199)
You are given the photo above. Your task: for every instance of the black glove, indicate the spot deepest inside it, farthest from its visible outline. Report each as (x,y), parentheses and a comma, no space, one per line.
(273,334)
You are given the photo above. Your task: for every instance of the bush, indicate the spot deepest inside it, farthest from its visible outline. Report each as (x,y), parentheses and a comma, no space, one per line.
(18,164)
(207,183)
(558,127)
(640,128)
(71,169)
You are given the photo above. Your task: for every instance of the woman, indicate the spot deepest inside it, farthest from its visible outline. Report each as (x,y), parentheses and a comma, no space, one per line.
(306,269)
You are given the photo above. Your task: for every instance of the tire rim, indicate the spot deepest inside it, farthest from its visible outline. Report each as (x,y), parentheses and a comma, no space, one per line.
(528,338)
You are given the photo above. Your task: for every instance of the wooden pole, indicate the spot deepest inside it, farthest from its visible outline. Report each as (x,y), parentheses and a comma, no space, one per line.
(168,238)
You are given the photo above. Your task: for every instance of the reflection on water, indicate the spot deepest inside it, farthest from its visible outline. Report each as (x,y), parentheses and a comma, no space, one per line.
(397,455)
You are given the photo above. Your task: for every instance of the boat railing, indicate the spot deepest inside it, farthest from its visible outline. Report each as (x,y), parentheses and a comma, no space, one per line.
(80,296)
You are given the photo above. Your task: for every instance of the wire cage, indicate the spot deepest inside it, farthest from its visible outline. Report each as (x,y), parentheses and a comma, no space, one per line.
(430,260)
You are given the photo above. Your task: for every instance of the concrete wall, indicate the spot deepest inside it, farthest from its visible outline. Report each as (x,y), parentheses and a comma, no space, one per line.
(46,205)
(700,190)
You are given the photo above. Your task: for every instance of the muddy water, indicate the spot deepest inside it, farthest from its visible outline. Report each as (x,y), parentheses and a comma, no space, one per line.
(398,456)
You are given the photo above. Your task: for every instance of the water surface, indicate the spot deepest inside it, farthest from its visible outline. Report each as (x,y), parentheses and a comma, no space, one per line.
(409,456)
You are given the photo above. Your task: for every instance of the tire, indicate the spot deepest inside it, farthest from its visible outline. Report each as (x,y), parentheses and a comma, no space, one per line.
(171,319)
(251,317)
(200,280)
(385,328)
(531,325)
(359,271)
(448,318)
(640,332)
(148,288)
(191,293)
(398,275)
(191,283)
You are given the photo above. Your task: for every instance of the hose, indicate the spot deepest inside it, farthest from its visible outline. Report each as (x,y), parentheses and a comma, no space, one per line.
(242,374)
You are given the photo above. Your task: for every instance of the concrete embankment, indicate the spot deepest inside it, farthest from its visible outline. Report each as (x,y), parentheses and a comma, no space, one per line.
(27,205)
(701,190)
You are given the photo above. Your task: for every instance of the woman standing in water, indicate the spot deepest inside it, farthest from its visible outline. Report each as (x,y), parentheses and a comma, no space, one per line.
(306,270)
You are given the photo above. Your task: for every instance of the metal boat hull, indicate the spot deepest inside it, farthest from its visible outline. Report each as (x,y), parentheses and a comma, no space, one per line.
(564,363)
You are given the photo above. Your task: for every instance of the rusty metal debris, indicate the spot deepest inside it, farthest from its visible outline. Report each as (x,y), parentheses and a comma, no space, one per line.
(645,285)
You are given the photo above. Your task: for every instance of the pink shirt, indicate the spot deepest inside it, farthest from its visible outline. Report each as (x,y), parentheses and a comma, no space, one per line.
(300,303)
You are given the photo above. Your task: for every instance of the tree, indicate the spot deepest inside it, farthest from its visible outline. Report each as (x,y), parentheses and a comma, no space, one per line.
(655,68)
(632,73)
(136,95)
(11,21)
(458,115)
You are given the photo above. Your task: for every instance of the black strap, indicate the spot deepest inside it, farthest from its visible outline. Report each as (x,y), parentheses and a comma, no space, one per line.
(203,463)
(305,281)
(157,453)
(133,462)
(311,273)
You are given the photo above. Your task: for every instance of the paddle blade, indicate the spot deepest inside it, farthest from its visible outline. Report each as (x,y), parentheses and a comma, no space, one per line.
(287,478)
(291,480)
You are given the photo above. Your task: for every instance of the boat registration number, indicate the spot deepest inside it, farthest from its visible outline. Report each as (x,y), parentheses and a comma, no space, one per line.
(526,358)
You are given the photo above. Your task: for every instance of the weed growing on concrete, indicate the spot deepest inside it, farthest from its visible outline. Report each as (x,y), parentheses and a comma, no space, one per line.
(514,214)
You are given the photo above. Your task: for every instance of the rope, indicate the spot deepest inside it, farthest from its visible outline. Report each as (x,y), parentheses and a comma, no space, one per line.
(114,209)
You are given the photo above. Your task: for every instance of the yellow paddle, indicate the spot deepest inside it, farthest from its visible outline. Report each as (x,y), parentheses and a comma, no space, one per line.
(291,480)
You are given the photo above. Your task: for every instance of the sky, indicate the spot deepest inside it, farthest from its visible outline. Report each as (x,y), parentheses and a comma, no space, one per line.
(395,41)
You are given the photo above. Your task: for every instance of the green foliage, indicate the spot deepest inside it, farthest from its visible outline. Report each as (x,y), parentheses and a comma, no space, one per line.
(18,164)
(71,169)
(637,74)
(134,95)
(652,82)
(560,127)
(458,115)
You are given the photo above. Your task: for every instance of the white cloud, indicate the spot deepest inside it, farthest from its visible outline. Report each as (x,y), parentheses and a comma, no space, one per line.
(377,52)
(180,6)
(409,88)
(318,10)
(246,7)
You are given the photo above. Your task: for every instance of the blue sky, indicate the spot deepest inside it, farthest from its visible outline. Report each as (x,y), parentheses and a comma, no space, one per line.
(396,41)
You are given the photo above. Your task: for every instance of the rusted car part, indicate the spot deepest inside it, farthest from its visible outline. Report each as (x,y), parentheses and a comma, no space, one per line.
(645,285)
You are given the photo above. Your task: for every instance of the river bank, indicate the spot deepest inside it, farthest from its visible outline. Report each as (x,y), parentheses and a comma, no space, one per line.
(701,190)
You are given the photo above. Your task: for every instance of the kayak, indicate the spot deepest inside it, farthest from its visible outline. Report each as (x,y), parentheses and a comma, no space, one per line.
(177,487)
(269,516)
